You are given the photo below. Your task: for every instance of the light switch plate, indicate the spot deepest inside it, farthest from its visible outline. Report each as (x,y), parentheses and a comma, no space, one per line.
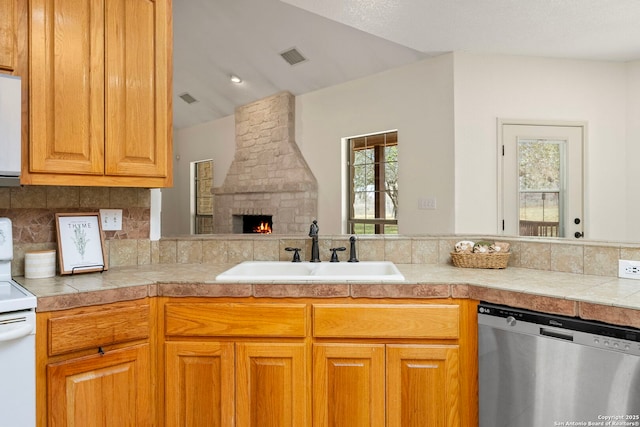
(427,203)
(111,219)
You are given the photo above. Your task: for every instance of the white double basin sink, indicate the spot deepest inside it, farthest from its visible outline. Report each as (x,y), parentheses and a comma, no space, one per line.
(270,271)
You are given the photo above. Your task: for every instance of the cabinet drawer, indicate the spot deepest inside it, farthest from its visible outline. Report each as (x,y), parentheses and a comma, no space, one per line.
(386,321)
(88,330)
(231,319)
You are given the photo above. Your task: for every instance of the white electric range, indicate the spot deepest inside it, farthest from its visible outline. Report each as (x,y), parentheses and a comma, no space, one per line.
(17,342)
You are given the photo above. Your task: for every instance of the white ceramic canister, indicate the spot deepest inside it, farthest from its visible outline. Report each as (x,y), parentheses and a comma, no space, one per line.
(40,264)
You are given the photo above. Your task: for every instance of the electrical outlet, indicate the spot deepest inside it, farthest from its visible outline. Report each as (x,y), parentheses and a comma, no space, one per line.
(427,203)
(629,269)
(111,219)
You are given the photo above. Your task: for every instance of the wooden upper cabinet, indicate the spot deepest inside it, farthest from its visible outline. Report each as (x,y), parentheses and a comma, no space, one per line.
(8,28)
(99,93)
(67,87)
(137,116)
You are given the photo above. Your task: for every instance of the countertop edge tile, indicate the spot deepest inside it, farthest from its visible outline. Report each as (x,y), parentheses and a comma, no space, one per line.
(296,290)
(401,290)
(553,292)
(92,297)
(204,290)
(610,314)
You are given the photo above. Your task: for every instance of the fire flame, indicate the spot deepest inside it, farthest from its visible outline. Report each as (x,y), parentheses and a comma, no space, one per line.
(263,228)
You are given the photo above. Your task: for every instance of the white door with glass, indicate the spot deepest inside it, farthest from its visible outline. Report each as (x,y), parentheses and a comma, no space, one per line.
(542,179)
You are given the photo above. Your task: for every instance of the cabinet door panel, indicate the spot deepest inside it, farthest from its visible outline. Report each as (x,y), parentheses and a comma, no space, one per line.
(67,86)
(136,70)
(7,34)
(422,386)
(101,390)
(348,385)
(272,385)
(199,384)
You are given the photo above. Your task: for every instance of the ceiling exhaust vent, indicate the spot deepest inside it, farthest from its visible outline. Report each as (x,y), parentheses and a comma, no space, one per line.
(186,97)
(293,56)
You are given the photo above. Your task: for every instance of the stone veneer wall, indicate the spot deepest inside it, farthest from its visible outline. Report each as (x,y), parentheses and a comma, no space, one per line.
(268,175)
(32,210)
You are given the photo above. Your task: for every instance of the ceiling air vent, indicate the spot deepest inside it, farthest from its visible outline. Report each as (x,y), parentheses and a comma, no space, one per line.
(293,56)
(186,97)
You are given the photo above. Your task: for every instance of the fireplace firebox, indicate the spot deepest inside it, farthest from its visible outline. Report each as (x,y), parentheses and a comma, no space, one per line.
(247,224)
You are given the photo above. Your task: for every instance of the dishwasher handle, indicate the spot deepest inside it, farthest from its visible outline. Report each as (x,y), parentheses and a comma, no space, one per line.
(556,334)
(16,333)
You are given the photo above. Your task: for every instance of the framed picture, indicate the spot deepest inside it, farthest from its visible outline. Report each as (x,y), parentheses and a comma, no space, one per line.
(80,243)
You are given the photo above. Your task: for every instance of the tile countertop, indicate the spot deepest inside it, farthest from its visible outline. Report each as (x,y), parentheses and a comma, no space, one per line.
(593,297)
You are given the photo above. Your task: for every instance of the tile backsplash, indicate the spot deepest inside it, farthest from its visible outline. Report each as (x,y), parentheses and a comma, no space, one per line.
(32,210)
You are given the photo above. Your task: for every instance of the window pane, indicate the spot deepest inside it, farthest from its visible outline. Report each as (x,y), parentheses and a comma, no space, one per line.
(391,210)
(364,156)
(391,229)
(538,206)
(363,178)
(360,205)
(539,165)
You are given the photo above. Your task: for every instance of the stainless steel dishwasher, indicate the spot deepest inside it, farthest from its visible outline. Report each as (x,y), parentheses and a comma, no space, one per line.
(539,370)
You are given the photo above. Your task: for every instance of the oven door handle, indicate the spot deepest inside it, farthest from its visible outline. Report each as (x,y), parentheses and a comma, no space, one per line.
(16,333)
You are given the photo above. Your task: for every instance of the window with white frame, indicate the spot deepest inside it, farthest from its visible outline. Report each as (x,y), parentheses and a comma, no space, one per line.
(373,184)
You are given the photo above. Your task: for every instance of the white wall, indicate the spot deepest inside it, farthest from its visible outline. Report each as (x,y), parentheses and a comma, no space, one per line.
(417,101)
(490,87)
(633,151)
(212,140)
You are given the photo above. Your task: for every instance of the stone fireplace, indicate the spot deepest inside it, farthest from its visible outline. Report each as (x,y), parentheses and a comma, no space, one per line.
(268,175)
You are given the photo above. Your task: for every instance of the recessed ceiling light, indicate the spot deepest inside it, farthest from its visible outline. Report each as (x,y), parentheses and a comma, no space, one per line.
(235,79)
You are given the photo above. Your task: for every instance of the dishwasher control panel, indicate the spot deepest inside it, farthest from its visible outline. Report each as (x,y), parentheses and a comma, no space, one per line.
(585,332)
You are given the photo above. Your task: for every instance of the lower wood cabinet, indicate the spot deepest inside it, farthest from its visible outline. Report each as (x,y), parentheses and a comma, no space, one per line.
(232,362)
(236,364)
(95,366)
(236,384)
(385,385)
(101,390)
(423,385)
(199,384)
(304,363)
(349,385)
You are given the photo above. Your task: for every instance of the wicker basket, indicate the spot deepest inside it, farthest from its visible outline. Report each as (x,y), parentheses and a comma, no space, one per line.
(475,260)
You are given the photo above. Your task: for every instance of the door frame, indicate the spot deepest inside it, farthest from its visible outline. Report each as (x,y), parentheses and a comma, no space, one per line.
(500,122)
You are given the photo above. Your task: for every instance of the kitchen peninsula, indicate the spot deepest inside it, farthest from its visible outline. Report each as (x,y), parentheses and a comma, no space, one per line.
(173,327)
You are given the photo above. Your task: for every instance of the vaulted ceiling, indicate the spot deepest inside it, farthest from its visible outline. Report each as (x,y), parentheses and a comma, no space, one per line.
(344,40)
